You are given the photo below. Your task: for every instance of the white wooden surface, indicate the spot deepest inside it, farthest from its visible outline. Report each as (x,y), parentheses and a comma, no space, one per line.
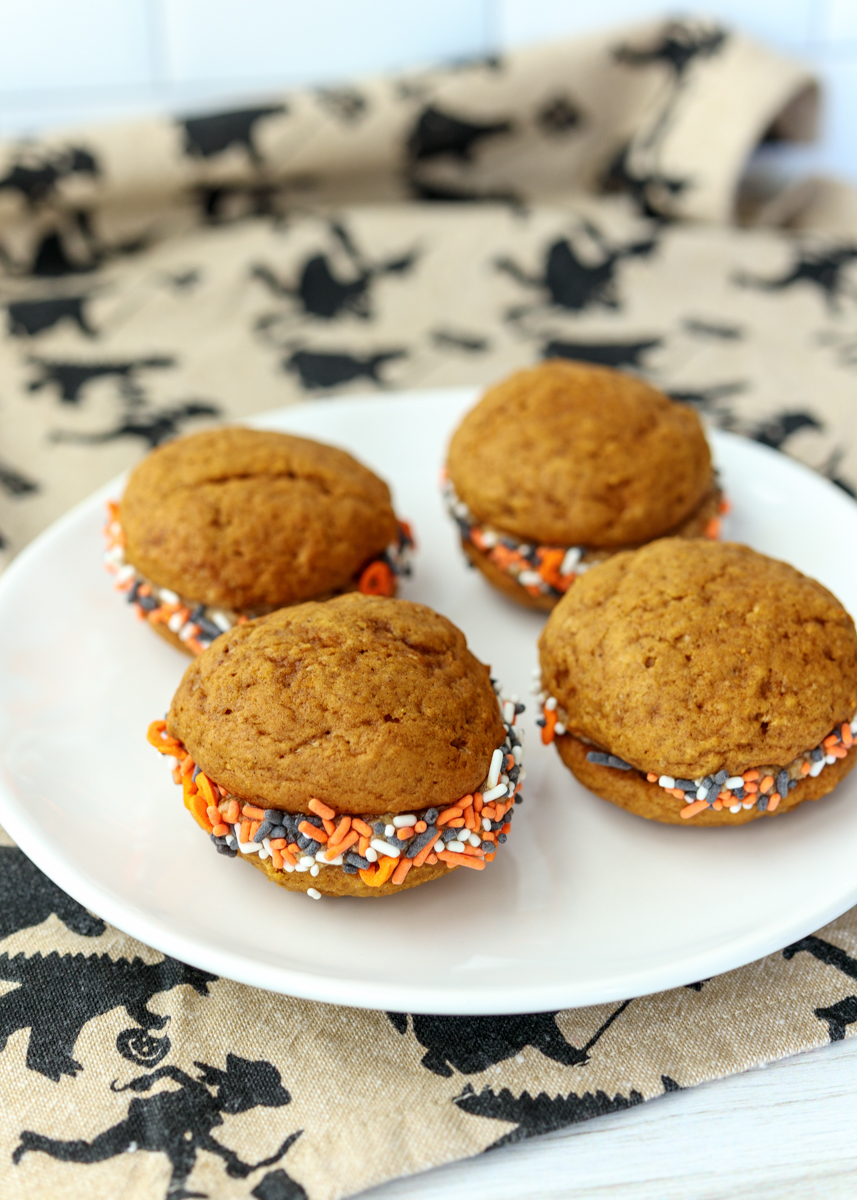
(785,1131)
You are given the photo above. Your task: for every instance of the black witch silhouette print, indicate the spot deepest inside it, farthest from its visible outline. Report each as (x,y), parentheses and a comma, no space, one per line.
(570,280)
(208,136)
(82,987)
(28,897)
(179,1123)
(636,169)
(823,269)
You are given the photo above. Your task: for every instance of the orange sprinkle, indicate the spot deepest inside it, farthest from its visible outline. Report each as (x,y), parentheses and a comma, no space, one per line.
(328,827)
(177,775)
(456,823)
(363,845)
(470,820)
(712,529)
(478,801)
(420,827)
(276,859)
(220,829)
(466,802)
(361,826)
(839,751)
(243,832)
(692,809)
(336,835)
(401,870)
(213,814)
(424,854)
(377,580)
(724,795)
(166,744)
(310,831)
(254,813)
(406,832)
(233,811)
(254,829)
(678,793)
(187,765)
(489,812)
(197,807)
(207,788)
(725,506)
(750,776)
(195,644)
(447,815)
(548,727)
(321,810)
(278,843)
(773,801)
(805,768)
(767,782)
(846,734)
(461,860)
(832,739)
(752,788)
(377,875)
(188,789)
(652,778)
(472,851)
(288,856)
(347,842)
(717,805)
(430,861)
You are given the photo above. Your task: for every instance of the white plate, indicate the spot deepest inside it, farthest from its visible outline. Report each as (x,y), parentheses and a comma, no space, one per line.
(585,904)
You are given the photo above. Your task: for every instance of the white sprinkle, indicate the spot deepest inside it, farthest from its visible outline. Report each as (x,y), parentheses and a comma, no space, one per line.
(494,769)
(335,862)
(320,856)
(830,759)
(817,768)
(384,848)
(371,854)
(287,866)
(537,672)
(504,778)
(455,847)
(572,558)
(231,840)
(854,726)
(249,847)
(389,830)
(734,782)
(307,860)
(542,696)
(536,688)
(518,754)
(733,808)
(404,820)
(522,774)
(313,894)
(508,714)
(559,729)
(701,793)
(438,846)
(748,803)
(187,631)
(125,574)
(314,870)
(220,619)
(530,579)
(494,793)
(263,854)
(167,596)
(175,622)
(550,703)
(490,538)
(666,781)
(475,840)
(300,868)
(486,824)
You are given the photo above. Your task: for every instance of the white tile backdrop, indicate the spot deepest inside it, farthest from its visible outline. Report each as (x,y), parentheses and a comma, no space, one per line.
(67,61)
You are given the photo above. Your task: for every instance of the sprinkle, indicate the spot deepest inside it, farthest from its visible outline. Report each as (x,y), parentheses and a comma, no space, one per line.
(734,782)
(313,894)
(404,819)
(321,810)
(493,793)
(494,769)
(665,781)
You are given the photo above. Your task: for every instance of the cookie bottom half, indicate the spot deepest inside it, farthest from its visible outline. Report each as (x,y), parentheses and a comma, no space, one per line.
(336,883)
(698,524)
(630,789)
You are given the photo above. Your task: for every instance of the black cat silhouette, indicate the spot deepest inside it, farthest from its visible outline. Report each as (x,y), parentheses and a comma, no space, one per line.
(318,370)
(28,318)
(153,426)
(570,283)
(60,993)
(27,897)
(608,354)
(473,1044)
(204,137)
(822,269)
(320,293)
(178,1123)
(69,378)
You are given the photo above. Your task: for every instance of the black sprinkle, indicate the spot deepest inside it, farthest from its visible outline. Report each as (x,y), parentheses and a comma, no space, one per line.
(450,835)
(707,781)
(783,782)
(421,841)
(739,793)
(792,784)
(721,777)
(349,870)
(817,755)
(132,595)
(487,847)
(278,831)
(209,628)
(356,861)
(686,785)
(519,799)
(263,831)
(229,851)
(430,816)
(378,828)
(619,763)
(495,825)
(274,815)
(519,708)
(596,756)
(762,803)
(541,722)
(501,837)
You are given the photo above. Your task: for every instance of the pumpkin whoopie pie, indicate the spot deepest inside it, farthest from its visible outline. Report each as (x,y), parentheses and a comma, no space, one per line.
(561,465)
(350,748)
(701,683)
(231,523)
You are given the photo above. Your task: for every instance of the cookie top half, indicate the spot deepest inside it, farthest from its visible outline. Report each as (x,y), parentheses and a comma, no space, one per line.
(686,657)
(246,518)
(569,454)
(370,705)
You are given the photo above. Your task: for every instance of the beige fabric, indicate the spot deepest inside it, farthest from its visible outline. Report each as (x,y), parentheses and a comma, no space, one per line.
(164,275)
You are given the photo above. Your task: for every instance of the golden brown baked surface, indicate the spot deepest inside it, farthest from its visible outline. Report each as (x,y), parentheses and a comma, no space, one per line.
(693,526)
(570,454)
(246,518)
(629,790)
(689,656)
(337,883)
(370,705)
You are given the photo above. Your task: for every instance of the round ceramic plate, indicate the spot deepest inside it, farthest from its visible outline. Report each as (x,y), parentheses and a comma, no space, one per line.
(585,904)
